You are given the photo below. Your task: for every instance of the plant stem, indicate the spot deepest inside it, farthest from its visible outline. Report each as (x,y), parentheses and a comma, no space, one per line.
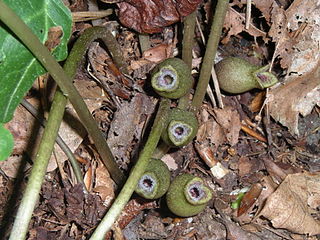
(31,194)
(211,49)
(144,41)
(131,183)
(65,148)
(65,83)
(187,45)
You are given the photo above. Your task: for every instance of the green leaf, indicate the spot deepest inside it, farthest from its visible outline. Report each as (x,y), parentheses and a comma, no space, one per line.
(6,143)
(18,67)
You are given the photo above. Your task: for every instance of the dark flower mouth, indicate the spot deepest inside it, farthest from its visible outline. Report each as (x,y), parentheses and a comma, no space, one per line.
(195,191)
(180,131)
(147,183)
(167,79)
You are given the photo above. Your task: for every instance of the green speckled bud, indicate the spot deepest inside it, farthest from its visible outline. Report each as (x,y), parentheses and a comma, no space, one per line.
(172,78)
(155,181)
(182,128)
(187,195)
(236,75)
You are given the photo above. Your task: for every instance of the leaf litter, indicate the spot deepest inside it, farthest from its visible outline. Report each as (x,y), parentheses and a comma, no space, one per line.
(282,178)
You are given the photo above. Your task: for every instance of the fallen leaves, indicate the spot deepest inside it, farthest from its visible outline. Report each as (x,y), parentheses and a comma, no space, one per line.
(298,96)
(288,206)
(296,32)
(151,16)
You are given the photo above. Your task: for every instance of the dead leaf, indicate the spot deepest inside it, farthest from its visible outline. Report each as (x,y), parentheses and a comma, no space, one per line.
(126,126)
(54,37)
(224,127)
(298,96)
(170,161)
(104,185)
(229,120)
(158,53)
(151,16)
(235,23)
(296,32)
(265,8)
(288,206)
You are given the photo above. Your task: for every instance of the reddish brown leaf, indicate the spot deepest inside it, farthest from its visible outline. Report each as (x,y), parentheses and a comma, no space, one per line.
(151,16)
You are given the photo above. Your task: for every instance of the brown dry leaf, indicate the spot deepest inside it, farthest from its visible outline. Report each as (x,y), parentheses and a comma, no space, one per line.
(265,8)
(104,185)
(298,96)
(211,131)
(27,135)
(249,200)
(158,53)
(54,37)
(170,162)
(235,23)
(126,126)
(151,16)
(296,32)
(288,206)
(229,120)
(224,127)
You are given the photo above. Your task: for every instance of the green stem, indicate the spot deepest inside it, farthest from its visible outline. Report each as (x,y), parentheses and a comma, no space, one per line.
(131,183)
(211,49)
(187,45)
(31,194)
(65,148)
(65,83)
(144,41)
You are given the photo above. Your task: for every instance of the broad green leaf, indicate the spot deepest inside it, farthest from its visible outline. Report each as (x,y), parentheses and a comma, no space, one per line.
(18,67)
(6,143)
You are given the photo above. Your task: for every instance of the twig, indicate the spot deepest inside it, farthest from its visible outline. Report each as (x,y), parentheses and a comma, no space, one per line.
(248,14)
(90,15)
(253,133)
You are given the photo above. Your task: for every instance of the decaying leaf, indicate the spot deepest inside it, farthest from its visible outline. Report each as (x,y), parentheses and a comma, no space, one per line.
(229,119)
(224,127)
(298,96)
(158,53)
(288,206)
(235,23)
(151,16)
(104,185)
(296,32)
(127,126)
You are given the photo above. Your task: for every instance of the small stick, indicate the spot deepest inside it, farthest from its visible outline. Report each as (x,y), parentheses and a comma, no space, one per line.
(253,133)
(248,14)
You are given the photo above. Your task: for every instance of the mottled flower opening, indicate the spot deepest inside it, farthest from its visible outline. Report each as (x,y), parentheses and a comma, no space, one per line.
(147,183)
(179,131)
(195,191)
(167,80)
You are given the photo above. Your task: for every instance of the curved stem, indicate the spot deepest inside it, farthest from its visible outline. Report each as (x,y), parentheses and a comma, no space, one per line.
(130,185)
(65,81)
(211,49)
